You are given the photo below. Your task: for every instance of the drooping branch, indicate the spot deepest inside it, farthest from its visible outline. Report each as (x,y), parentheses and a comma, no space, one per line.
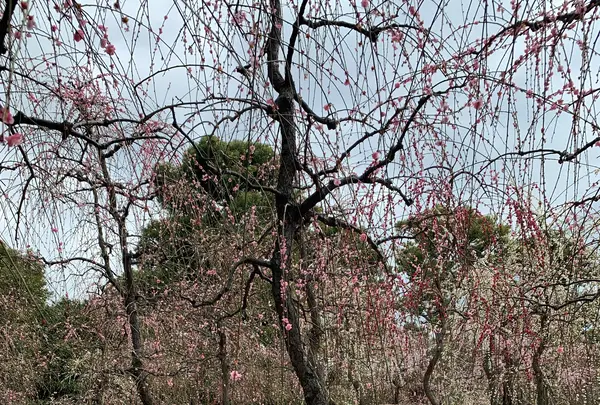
(227,287)
(371,33)
(329,122)
(335,222)
(255,272)
(293,38)
(518,27)
(315,198)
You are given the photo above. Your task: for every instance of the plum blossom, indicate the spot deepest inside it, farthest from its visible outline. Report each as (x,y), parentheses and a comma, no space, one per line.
(287,324)
(110,49)
(14,139)
(30,22)
(235,375)
(364,3)
(477,104)
(363,237)
(7,117)
(78,36)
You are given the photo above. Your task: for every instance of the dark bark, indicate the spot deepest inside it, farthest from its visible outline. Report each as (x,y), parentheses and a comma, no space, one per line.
(436,356)
(7,13)
(538,374)
(507,383)
(224,365)
(492,374)
(360,394)
(137,365)
(397,387)
(289,223)
(288,213)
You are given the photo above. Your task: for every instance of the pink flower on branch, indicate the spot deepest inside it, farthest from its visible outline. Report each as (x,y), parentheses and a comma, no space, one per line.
(14,140)
(78,36)
(477,104)
(30,22)
(7,117)
(235,375)
(110,49)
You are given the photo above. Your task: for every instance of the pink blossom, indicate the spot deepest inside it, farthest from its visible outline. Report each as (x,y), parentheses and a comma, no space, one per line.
(14,140)
(110,49)
(287,324)
(54,28)
(17,34)
(30,22)
(7,117)
(78,36)
(326,107)
(477,104)
(375,155)
(103,43)
(24,5)
(364,3)
(363,237)
(560,349)
(235,375)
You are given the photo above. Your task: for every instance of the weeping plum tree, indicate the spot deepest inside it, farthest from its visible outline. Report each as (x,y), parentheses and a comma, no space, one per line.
(376,111)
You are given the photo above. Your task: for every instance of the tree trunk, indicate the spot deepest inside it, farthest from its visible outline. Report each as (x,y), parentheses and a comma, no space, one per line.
(288,212)
(289,222)
(137,366)
(538,373)
(437,354)
(128,293)
(224,365)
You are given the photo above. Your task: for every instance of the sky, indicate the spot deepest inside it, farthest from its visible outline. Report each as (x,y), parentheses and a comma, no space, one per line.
(151,70)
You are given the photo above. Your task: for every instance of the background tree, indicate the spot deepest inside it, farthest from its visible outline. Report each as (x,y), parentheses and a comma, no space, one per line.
(375,113)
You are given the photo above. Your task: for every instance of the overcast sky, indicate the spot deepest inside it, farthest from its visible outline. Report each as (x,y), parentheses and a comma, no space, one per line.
(158,61)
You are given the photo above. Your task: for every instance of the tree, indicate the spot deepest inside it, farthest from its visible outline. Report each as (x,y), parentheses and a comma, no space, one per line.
(22,302)
(376,112)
